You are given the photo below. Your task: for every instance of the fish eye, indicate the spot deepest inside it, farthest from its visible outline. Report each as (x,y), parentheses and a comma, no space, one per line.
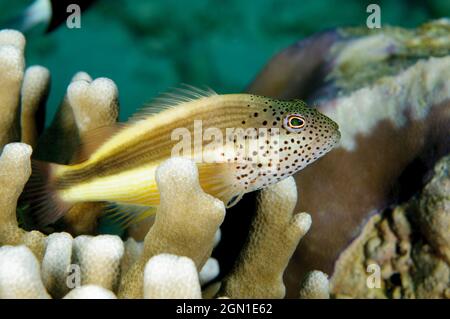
(294,123)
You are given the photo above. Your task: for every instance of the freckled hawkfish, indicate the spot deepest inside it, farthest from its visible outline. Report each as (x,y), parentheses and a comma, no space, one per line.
(240,143)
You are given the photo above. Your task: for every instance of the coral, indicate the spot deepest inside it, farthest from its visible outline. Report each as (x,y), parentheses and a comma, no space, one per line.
(20,274)
(315,285)
(99,258)
(170,276)
(56,262)
(434,206)
(34,93)
(273,237)
(183,206)
(15,169)
(401,46)
(12,62)
(409,243)
(209,271)
(88,105)
(132,252)
(94,104)
(90,292)
(388,90)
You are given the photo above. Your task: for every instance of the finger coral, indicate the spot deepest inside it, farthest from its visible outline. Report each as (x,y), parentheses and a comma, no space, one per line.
(170,276)
(88,105)
(90,292)
(273,237)
(20,274)
(35,89)
(184,205)
(56,262)
(315,285)
(99,259)
(12,62)
(15,169)
(154,271)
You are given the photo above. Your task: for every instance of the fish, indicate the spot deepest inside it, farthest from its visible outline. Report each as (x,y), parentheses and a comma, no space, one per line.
(240,143)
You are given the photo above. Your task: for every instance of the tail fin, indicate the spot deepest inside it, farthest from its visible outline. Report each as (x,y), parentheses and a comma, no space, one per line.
(42,196)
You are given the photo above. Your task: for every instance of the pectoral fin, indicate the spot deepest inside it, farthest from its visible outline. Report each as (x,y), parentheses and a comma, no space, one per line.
(217,180)
(127,214)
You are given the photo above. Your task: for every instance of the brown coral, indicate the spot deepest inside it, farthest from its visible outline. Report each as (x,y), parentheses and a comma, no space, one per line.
(408,250)
(388,90)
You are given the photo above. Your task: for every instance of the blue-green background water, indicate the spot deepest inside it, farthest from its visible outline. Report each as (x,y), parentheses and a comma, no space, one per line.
(148,46)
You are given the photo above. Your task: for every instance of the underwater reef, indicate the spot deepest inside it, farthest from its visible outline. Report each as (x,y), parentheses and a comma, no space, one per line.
(381,197)
(173,260)
(389,91)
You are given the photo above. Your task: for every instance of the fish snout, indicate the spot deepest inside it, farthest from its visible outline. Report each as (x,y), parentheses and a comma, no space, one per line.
(337,134)
(333,127)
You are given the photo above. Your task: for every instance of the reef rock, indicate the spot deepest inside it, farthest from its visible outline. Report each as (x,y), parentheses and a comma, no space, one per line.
(406,245)
(389,91)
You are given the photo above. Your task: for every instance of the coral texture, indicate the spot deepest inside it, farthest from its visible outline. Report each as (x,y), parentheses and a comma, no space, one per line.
(15,168)
(12,62)
(90,292)
(273,237)
(170,276)
(408,243)
(183,206)
(20,274)
(152,270)
(56,262)
(389,91)
(99,258)
(315,285)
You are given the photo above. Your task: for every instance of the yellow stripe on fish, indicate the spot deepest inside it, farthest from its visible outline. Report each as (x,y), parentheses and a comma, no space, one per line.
(240,143)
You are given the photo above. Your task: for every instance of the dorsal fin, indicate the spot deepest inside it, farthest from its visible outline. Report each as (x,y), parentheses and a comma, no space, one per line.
(172,98)
(93,139)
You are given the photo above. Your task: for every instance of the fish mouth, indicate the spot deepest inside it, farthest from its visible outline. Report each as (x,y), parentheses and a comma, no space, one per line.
(337,135)
(334,139)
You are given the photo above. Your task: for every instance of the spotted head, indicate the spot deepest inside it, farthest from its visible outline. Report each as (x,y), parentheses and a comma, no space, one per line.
(291,136)
(306,135)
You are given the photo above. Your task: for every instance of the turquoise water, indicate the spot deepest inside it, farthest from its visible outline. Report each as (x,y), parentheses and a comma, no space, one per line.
(148,46)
